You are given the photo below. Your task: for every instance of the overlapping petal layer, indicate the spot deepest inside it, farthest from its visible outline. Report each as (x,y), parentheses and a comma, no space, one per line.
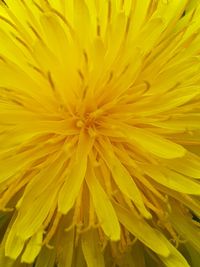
(99,133)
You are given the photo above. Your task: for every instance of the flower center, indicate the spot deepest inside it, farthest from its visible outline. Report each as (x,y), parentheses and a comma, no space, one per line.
(86,122)
(90,119)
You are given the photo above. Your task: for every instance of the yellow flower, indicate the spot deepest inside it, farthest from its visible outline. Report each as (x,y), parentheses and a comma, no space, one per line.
(99,133)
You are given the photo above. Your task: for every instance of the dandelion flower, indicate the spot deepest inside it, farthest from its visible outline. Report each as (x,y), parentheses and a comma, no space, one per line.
(99,133)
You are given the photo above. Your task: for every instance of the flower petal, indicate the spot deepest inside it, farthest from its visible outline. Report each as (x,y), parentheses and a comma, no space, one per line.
(76,176)
(33,248)
(185,226)
(155,144)
(188,165)
(92,253)
(46,258)
(104,209)
(171,179)
(65,244)
(175,258)
(123,179)
(141,230)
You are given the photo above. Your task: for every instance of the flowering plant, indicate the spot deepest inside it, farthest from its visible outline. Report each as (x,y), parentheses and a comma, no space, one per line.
(99,133)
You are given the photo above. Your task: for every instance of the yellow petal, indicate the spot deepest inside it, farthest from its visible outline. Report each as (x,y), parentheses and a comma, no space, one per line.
(79,260)
(185,226)
(66,249)
(183,123)
(82,21)
(104,209)
(10,49)
(134,257)
(189,201)
(142,230)
(123,179)
(33,248)
(170,10)
(172,179)
(92,249)
(14,245)
(188,165)
(194,255)
(39,127)
(175,258)
(150,34)
(53,32)
(5,261)
(155,144)
(20,77)
(172,99)
(46,258)
(138,16)
(29,222)
(76,176)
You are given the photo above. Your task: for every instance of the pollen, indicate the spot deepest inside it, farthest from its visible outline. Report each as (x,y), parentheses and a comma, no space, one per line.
(99,133)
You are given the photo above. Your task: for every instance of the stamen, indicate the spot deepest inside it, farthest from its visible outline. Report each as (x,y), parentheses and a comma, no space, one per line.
(70,227)
(102,238)
(82,230)
(148,185)
(114,251)
(80,124)
(152,207)
(93,134)
(8,209)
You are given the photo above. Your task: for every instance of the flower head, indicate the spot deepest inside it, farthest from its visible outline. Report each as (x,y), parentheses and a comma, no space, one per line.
(99,133)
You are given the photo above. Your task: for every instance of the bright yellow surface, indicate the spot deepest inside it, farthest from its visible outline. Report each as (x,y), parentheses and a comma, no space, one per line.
(99,133)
